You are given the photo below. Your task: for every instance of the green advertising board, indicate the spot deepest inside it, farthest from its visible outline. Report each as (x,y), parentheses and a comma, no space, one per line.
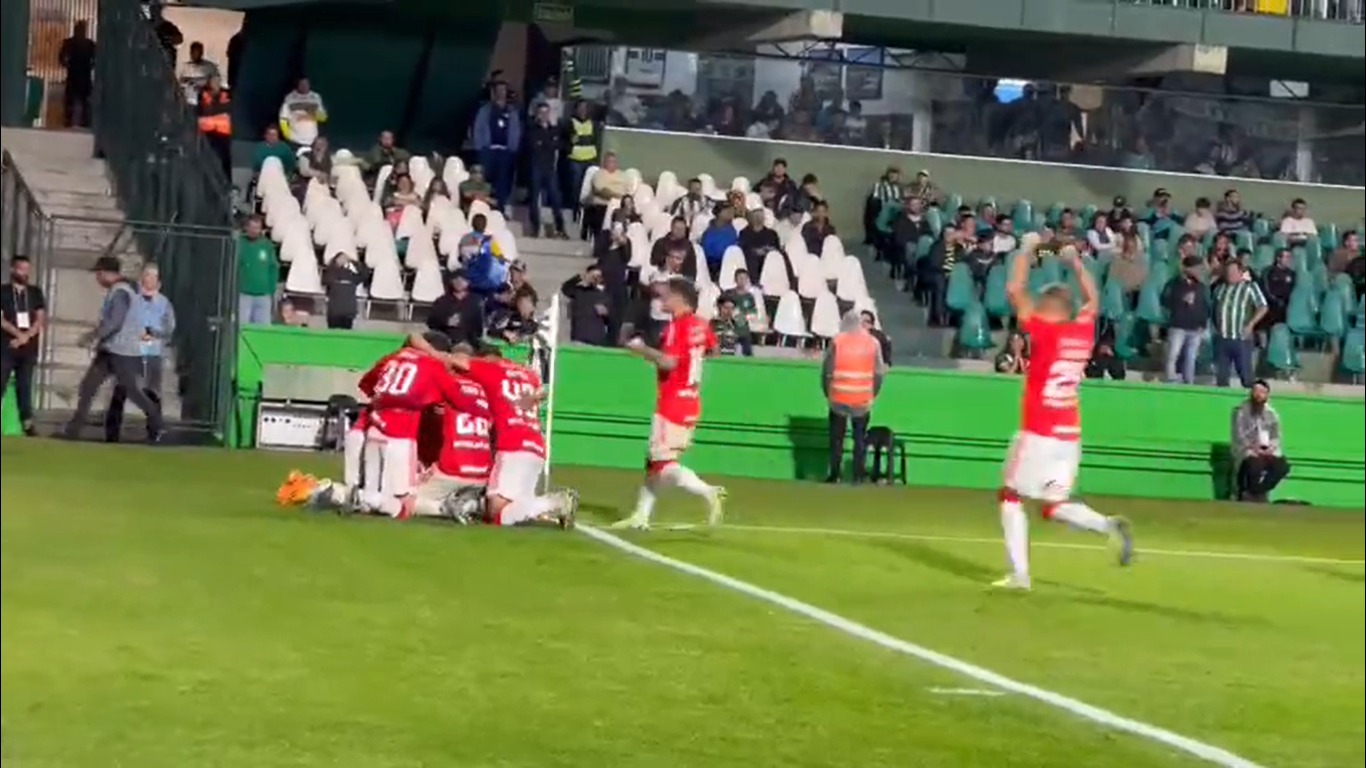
(9,415)
(766,419)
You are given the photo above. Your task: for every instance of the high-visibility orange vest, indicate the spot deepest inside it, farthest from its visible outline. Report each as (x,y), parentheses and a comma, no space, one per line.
(215,112)
(855,365)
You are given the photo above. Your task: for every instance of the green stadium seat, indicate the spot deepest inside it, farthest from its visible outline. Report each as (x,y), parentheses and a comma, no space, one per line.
(1328,236)
(1278,240)
(1318,275)
(1280,350)
(1300,258)
(1160,249)
(1354,354)
(1333,315)
(952,203)
(923,247)
(1055,214)
(1301,314)
(887,216)
(1243,240)
(1130,336)
(1088,212)
(1112,301)
(1150,308)
(986,201)
(997,303)
(961,292)
(1262,258)
(1023,215)
(974,332)
(934,219)
(1361,310)
(1261,228)
(1207,242)
(1313,251)
(1047,273)
(1040,221)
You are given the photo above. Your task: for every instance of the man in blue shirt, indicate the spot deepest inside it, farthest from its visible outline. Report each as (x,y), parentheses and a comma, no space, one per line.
(719,236)
(158,323)
(497,137)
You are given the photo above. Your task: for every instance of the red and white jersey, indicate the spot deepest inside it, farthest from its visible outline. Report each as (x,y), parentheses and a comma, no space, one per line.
(401,386)
(466,447)
(687,339)
(362,421)
(1058,353)
(505,383)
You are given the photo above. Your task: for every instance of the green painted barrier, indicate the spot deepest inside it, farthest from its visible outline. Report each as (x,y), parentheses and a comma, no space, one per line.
(766,419)
(9,415)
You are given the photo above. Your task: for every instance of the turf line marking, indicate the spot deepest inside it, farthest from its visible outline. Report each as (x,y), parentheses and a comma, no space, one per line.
(1214,555)
(964,692)
(1207,752)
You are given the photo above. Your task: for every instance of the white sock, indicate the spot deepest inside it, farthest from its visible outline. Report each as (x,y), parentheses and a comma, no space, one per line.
(1078,515)
(337,493)
(681,476)
(393,507)
(645,501)
(372,500)
(1015,528)
(353,449)
(527,509)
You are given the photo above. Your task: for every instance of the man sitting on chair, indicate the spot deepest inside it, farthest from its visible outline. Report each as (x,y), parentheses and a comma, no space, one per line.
(1256,444)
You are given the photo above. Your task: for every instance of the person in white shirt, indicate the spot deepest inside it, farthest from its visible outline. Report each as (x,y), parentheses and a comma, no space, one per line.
(1297,226)
(549,96)
(195,72)
(1004,241)
(300,114)
(1100,237)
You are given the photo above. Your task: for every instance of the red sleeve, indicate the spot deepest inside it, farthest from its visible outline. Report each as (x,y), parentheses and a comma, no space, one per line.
(453,394)
(371,377)
(711,339)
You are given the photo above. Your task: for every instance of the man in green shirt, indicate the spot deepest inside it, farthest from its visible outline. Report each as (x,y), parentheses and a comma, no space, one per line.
(476,188)
(732,332)
(258,271)
(271,146)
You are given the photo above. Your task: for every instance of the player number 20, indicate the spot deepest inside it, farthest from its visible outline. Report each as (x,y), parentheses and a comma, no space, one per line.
(514,391)
(397,378)
(1064,378)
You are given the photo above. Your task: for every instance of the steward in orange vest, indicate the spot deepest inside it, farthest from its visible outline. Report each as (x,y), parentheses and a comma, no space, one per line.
(852,375)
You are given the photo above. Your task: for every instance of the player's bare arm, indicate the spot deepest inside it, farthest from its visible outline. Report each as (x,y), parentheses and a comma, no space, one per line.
(1090,296)
(1017,287)
(655,357)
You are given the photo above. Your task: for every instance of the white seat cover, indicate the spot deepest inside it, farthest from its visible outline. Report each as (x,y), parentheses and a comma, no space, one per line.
(832,257)
(825,317)
(586,188)
(427,285)
(640,245)
(699,225)
(409,222)
(303,277)
(496,221)
(787,318)
(380,178)
(739,184)
(421,251)
(851,285)
(297,245)
(703,276)
(386,282)
(507,244)
(773,279)
(810,281)
(479,206)
(706,302)
(731,261)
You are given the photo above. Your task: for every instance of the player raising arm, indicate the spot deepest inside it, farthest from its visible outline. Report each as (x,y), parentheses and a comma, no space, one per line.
(1045,453)
(687,340)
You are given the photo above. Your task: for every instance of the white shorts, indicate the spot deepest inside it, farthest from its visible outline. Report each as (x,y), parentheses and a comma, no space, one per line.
(390,464)
(1043,468)
(668,441)
(515,474)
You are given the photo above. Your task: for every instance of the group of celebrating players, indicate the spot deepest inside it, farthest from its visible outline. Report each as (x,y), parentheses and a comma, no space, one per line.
(454,432)
(491,451)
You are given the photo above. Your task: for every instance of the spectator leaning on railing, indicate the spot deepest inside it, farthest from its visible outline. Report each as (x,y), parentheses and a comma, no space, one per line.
(158,321)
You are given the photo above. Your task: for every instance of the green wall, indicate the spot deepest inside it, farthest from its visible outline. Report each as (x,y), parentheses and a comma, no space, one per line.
(9,415)
(848,174)
(766,418)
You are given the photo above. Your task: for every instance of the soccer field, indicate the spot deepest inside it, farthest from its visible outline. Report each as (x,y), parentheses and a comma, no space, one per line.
(160,612)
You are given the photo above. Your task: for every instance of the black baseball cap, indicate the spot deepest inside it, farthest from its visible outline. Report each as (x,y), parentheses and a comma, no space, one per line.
(107,264)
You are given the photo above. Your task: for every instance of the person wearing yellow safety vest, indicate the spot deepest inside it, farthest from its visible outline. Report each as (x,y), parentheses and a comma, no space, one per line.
(852,376)
(582,134)
(214,108)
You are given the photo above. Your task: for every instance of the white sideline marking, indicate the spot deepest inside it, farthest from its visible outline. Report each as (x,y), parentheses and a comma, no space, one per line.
(1249,556)
(1206,752)
(964,692)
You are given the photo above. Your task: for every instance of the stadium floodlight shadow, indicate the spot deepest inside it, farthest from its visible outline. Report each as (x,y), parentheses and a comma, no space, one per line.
(1334,573)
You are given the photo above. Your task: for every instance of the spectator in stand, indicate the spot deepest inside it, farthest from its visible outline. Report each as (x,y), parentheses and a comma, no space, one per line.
(315,162)
(271,146)
(925,189)
(1239,307)
(1356,270)
(1068,227)
(1342,256)
(516,324)
(815,231)
(1103,241)
(811,189)
(671,268)
(497,136)
(1256,441)
(520,285)
(385,152)
(784,187)
(77,56)
(474,241)
(768,110)
(626,213)
(458,313)
(677,238)
(728,122)
(886,190)
(473,188)
(403,195)
(1229,216)
(613,253)
(719,236)
(1186,299)
(550,97)
(647,317)
(980,260)
(436,188)
(948,250)
(158,327)
(691,205)
(907,230)
(609,184)
(258,272)
(23,309)
(1160,215)
(589,307)
(756,241)
(195,72)
(1119,210)
(1296,224)
(581,136)
(342,278)
(235,54)
(1004,240)
(1104,362)
(1129,267)
(748,298)
(1014,356)
(1201,221)
(732,331)
(213,108)
(869,322)
(1278,282)
(543,148)
(301,113)
(168,34)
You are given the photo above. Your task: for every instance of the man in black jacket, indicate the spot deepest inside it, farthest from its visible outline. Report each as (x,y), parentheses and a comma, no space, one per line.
(677,239)
(459,313)
(756,241)
(589,307)
(1187,301)
(1277,283)
(907,230)
(543,144)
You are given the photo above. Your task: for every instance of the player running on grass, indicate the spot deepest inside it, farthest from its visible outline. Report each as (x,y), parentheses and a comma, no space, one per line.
(1045,453)
(686,341)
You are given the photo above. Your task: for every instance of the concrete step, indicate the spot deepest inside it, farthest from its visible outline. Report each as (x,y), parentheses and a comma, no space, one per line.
(60,382)
(74,296)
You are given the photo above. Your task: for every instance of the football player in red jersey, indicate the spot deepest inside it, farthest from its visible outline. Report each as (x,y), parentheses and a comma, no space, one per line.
(1046,451)
(686,341)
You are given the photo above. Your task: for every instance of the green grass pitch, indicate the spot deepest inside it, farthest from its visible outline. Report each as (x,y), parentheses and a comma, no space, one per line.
(160,612)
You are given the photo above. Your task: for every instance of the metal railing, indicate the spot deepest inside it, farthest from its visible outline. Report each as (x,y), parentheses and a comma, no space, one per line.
(869,100)
(1348,11)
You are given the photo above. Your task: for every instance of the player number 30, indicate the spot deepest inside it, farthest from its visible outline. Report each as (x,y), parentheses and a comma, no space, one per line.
(397,378)
(1064,379)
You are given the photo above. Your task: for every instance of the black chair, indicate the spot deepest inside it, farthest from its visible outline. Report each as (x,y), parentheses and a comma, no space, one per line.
(880,440)
(342,411)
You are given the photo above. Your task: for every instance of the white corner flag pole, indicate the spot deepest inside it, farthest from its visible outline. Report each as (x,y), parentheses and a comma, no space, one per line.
(552,334)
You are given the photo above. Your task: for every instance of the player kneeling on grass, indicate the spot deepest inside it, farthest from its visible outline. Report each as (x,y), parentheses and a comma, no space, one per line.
(1046,452)
(686,341)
